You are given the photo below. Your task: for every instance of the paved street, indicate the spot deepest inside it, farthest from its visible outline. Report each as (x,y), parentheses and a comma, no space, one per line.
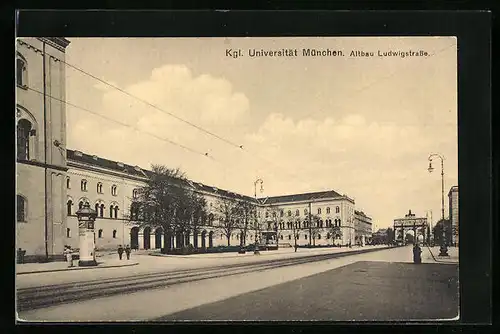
(170,292)
(363,291)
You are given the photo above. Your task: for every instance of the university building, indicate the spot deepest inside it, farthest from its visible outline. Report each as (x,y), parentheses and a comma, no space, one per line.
(53,182)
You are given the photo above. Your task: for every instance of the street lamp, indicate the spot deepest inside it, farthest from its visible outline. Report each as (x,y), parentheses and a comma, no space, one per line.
(86,218)
(443,250)
(256,250)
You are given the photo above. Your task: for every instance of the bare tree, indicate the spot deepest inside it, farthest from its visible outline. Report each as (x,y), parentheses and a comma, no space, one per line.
(227,214)
(157,203)
(314,227)
(334,231)
(246,213)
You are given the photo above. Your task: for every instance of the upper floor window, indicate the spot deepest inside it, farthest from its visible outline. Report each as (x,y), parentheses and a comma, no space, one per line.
(68,233)
(305,212)
(267,214)
(100,234)
(68,183)
(289,213)
(24,131)
(297,212)
(319,211)
(99,188)
(337,209)
(281,213)
(21,208)
(82,202)
(114,234)
(135,193)
(114,189)
(69,207)
(83,185)
(274,214)
(21,71)
(327,210)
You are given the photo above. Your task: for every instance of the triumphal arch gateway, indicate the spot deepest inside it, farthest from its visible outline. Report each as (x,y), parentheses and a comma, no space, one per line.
(410,222)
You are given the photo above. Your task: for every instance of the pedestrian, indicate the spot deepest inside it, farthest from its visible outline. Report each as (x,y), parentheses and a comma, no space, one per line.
(69,256)
(127,251)
(296,248)
(120,251)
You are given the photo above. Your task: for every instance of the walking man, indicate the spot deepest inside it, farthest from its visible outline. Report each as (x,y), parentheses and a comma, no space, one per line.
(120,251)
(127,251)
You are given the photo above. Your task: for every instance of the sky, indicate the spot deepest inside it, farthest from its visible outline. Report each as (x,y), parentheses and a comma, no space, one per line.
(362,126)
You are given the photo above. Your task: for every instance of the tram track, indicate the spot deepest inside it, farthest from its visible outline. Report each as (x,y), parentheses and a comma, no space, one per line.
(51,295)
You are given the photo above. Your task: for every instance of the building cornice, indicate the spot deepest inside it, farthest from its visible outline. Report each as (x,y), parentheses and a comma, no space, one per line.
(43,165)
(59,43)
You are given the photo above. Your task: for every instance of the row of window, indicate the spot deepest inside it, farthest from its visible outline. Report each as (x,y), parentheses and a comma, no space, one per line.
(305,224)
(297,212)
(100,208)
(99,233)
(99,186)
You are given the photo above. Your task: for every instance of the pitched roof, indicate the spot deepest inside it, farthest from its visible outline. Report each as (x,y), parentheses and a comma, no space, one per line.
(93,160)
(136,171)
(302,197)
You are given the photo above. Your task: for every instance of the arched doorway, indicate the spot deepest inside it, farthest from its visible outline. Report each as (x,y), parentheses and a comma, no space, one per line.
(203,239)
(211,239)
(147,238)
(134,238)
(158,237)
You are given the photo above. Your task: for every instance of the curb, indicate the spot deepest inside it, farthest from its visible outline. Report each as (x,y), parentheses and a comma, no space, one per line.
(76,268)
(440,261)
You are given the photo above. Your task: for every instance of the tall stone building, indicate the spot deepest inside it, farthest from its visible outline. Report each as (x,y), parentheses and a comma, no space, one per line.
(41,137)
(453,210)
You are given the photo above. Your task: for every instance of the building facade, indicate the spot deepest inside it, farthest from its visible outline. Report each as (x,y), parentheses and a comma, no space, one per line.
(453,207)
(109,186)
(362,228)
(40,141)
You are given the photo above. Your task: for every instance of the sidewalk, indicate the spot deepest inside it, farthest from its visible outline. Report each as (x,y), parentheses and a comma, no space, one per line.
(34,268)
(452,252)
(281,251)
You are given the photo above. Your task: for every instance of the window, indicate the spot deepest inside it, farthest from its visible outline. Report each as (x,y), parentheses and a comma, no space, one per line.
(281,237)
(305,212)
(101,211)
(328,210)
(290,237)
(289,213)
(111,211)
(319,236)
(328,235)
(134,211)
(69,207)
(114,189)
(297,212)
(114,234)
(134,193)
(337,209)
(97,208)
(319,211)
(21,208)
(68,183)
(116,211)
(99,188)
(274,214)
(267,214)
(83,185)
(100,234)
(21,71)
(281,213)
(24,131)
(305,236)
(68,233)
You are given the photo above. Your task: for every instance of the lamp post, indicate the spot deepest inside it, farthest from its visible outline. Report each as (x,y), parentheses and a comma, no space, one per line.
(256,250)
(86,218)
(443,250)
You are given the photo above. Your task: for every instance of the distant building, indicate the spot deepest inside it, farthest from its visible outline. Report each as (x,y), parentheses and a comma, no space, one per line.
(362,228)
(379,237)
(453,202)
